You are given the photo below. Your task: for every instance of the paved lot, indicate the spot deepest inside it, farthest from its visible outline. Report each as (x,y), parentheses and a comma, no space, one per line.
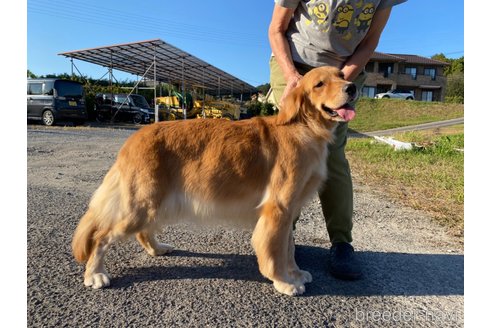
(413,270)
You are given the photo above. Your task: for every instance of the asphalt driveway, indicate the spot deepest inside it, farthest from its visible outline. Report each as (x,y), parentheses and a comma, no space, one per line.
(413,271)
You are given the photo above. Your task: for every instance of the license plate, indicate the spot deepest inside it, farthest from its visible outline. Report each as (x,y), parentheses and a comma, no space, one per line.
(72,103)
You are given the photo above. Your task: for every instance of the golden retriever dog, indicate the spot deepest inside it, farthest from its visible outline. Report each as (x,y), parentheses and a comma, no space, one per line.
(257,172)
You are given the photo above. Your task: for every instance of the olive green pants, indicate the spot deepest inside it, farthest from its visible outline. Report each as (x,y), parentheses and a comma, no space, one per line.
(336,194)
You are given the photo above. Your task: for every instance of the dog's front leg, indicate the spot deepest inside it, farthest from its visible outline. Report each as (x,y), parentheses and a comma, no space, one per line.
(150,244)
(271,244)
(300,276)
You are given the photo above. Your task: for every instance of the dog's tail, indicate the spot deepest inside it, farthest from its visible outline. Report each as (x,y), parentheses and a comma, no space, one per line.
(98,221)
(83,238)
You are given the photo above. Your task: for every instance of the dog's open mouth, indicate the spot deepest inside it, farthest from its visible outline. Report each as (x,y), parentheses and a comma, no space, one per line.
(346,112)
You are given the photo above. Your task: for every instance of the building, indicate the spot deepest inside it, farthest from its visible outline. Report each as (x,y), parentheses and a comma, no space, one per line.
(422,76)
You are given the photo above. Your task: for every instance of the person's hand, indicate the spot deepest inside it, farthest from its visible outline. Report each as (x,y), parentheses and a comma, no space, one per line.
(292,82)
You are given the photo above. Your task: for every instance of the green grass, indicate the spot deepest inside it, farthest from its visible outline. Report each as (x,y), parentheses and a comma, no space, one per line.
(430,178)
(382,114)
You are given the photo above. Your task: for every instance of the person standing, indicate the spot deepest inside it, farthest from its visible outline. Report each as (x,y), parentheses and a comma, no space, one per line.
(305,34)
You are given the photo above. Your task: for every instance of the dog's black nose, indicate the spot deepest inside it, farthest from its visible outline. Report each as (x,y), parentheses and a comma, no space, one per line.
(350,89)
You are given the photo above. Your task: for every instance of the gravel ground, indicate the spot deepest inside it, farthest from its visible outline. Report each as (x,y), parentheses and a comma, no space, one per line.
(413,271)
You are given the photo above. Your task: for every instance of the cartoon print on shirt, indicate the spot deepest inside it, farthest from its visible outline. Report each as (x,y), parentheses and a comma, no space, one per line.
(343,17)
(318,11)
(364,19)
(346,18)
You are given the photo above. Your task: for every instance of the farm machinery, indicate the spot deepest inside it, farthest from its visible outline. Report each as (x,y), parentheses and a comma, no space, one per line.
(172,107)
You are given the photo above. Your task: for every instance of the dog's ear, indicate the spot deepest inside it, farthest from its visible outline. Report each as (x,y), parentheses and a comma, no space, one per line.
(290,109)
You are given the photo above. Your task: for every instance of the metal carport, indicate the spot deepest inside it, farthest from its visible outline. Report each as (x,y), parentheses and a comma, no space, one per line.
(161,62)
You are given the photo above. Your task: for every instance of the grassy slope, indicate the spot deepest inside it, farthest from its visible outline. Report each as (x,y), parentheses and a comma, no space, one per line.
(429,179)
(381,114)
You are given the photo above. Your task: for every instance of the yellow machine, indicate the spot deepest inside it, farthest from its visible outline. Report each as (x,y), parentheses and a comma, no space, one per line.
(171,101)
(170,108)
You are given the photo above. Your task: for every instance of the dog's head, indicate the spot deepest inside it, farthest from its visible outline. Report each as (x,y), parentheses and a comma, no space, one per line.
(321,95)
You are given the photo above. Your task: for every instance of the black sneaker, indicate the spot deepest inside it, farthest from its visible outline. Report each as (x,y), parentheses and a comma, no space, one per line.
(342,262)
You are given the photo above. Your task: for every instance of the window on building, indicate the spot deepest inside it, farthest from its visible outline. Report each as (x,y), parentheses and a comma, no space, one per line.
(427,95)
(386,69)
(430,72)
(369,67)
(369,92)
(411,71)
(381,88)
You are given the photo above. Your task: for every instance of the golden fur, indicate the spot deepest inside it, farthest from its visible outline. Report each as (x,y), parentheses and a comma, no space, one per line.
(255,172)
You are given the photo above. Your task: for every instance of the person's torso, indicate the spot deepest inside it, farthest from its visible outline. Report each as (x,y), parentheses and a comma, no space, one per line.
(326,32)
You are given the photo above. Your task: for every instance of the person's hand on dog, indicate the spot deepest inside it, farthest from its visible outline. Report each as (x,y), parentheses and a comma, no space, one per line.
(292,82)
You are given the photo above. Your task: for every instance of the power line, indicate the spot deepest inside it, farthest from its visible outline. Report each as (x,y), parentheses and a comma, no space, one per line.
(121,19)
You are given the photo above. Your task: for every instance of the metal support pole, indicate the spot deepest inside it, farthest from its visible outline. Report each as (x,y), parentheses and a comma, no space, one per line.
(203,88)
(111,85)
(128,95)
(86,82)
(71,60)
(183,88)
(156,107)
(219,88)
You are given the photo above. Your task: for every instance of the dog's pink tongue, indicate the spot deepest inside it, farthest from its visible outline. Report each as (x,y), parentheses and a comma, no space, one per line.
(346,112)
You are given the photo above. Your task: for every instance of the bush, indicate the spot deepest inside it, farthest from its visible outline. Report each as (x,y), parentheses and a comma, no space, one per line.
(454,99)
(456,87)
(267,109)
(256,108)
(253,108)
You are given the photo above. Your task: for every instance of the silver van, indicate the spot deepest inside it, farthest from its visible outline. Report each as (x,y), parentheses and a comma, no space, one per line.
(54,100)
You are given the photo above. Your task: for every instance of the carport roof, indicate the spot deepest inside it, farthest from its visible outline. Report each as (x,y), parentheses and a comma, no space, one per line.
(173,65)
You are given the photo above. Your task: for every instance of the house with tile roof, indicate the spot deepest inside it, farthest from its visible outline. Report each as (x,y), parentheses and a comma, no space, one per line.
(422,76)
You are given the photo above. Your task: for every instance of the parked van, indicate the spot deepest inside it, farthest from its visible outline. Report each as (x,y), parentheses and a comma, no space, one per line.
(52,100)
(124,108)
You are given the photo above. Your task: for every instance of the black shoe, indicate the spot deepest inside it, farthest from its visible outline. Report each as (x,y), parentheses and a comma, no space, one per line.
(343,263)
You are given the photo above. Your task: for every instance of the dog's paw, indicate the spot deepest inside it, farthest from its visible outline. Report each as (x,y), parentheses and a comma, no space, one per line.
(161,249)
(301,276)
(306,277)
(97,280)
(289,289)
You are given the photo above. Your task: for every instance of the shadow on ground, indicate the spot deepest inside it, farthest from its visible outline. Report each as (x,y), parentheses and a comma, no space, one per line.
(397,274)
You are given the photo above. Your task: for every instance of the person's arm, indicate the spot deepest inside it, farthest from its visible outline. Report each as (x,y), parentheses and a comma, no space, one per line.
(280,47)
(356,63)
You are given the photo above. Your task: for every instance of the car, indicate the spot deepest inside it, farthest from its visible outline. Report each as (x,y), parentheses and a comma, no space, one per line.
(51,100)
(396,93)
(124,108)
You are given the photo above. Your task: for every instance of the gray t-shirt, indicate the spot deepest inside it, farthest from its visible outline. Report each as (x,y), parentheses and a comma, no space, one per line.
(326,32)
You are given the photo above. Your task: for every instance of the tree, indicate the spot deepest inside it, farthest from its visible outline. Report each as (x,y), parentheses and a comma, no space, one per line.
(454,73)
(455,65)
(263,88)
(458,65)
(31,75)
(455,91)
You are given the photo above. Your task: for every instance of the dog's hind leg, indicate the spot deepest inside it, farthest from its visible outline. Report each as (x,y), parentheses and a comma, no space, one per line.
(95,274)
(149,243)
(271,244)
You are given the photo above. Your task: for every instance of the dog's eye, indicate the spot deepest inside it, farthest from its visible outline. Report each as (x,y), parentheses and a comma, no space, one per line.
(319,85)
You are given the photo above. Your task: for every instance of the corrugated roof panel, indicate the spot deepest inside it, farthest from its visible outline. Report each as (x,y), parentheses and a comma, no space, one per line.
(173,65)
